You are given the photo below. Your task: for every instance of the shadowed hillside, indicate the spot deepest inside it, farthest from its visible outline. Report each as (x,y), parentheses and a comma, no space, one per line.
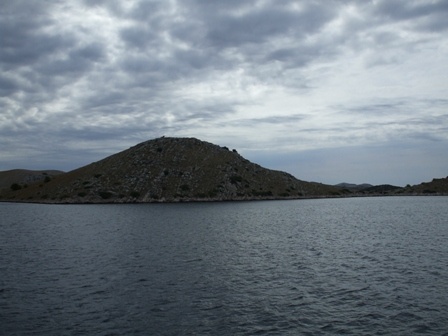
(23,177)
(436,186)
(170,170)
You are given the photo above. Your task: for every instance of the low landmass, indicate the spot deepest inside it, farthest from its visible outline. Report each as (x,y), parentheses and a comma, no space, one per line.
(438,186)
(353,187)
(181,170)
(21,178)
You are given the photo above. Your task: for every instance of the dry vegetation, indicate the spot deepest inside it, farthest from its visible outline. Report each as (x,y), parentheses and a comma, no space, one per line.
(178,169)
(169,170)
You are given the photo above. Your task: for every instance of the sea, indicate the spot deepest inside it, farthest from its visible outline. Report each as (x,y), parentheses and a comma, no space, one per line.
(349,266)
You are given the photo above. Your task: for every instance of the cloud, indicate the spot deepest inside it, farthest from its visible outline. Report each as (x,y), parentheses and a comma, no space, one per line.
(98,76)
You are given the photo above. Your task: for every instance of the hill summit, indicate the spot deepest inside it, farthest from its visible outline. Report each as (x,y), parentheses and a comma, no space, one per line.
(169,170)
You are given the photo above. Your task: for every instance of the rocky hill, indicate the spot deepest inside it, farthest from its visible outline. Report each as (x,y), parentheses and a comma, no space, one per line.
(169,170)
(352,186)
(23,177)
(368,189)
(438,186)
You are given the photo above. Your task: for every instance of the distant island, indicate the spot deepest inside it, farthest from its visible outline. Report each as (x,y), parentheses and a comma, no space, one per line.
(180,170)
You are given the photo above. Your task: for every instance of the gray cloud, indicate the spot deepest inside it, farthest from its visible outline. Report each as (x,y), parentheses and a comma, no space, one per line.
(261,25)
(406,10)
(100,76)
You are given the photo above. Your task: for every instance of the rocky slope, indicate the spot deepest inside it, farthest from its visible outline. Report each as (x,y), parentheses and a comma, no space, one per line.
(23,177)
(169,170)
(438,186)
(368,189)
(352,186)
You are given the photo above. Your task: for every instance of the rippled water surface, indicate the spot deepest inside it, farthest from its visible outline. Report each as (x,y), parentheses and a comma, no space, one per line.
(361,266)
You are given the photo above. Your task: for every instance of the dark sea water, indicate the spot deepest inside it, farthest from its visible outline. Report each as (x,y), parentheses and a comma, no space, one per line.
(360,266)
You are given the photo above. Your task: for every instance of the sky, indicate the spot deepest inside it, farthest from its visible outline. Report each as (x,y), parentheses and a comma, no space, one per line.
(328,90)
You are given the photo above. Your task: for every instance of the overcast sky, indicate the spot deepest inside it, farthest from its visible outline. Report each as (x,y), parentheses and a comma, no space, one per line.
(327,90)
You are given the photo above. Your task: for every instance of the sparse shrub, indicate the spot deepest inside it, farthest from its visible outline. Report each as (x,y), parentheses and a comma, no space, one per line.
(166,172)
(82,194)
(234,179)
(135,194)
(105,194)
(16,186)
(97,175)
(261,193)
(159,149)
(184,187)
(47,179)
